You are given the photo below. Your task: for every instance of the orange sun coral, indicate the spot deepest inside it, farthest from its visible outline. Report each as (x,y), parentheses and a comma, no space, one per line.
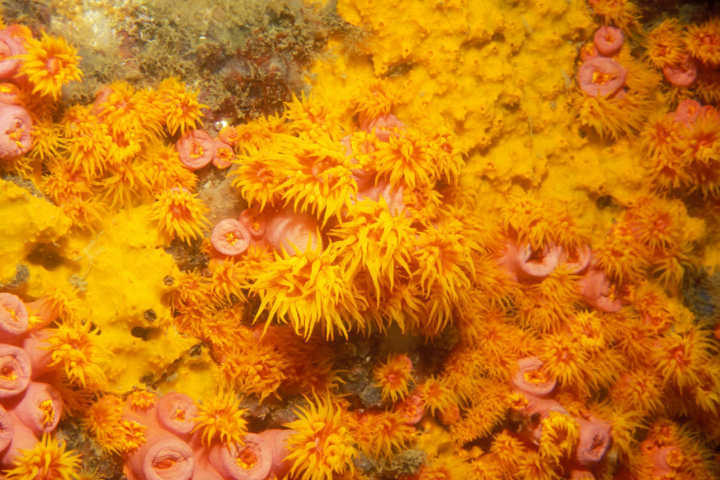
(164,169)
(408,157)
(321,446)
(73,348)
(437,395)
(311,173)
(131,115)
(563,358)
(220,418)
(638,389)
(376,240)
(48,460)
(179,214)
(560,432)
(253,364)
(180,107)
(308,291)
(665,44)
(622,13)
(89,143)
(393,376)
(48,140)
(613,117)
(703,42)
(443,260)
(382,433)
(49,63)
(115,434)
(667,158)
(681,356)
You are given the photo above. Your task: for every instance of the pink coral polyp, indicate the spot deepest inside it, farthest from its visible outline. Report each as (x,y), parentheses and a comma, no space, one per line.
(230,237)
(196,149)
(682,74)
(687,112)
(594,442)
(13,317)
(292,232)
(15,131)
(530,379)
(601,77)
(608,40)
(10,47)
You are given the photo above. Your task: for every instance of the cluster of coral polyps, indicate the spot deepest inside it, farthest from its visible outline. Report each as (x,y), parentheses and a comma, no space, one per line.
(170,437)
(30,406)
(424,269)
(353,214)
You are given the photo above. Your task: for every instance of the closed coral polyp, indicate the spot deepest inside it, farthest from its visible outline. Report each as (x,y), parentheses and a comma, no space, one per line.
(15,131)
(601,76)
(681,74)
(608,40)
(230,237)
(196,149)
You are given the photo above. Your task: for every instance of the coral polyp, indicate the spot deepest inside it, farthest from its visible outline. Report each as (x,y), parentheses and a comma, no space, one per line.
(179,214)
(219,418)
(321,445)
(49,63)
(47,460)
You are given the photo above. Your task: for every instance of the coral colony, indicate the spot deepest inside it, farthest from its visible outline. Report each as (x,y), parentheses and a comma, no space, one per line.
(471,240)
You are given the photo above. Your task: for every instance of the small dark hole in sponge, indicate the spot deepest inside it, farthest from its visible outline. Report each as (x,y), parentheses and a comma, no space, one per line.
(45,254)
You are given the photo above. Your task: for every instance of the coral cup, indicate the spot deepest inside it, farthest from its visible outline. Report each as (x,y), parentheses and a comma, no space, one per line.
(7,429)
(525,264)
(176,413)
(576,260)
(292,232)
(687,112)
(594,442)
(40,408)
(536,410)
(595,290)
(601,76)
(10,93)
(529,378)
(250,461)
(223,155)
(230,237)
(412,409)
(37,346)
(277,438)
(196,149)
(162,457)
(608,40)
(22,439)
(15,371)
(666,460)
(254,222)
(13,317)
(10,47)
(682,74)
(15,128)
